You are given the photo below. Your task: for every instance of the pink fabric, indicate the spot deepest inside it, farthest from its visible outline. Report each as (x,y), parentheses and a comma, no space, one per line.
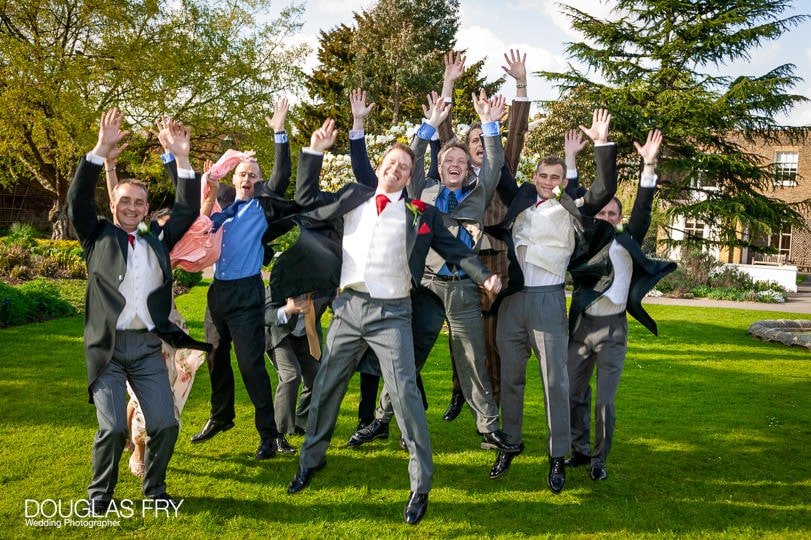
(199,248)
(229,160)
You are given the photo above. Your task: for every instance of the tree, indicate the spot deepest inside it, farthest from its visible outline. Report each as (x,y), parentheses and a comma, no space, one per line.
(393,51)
(63,61)
(657,62)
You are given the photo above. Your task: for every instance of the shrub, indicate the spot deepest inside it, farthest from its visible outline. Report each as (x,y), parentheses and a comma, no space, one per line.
(186,279)
(12,306)
(43,301)
(21,234)
(730,277)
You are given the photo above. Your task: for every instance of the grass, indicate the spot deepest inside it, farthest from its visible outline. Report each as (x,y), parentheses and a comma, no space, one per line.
(713,440)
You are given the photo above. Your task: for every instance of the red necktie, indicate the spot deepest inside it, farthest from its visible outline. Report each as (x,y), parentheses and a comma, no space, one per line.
(131,238)
(540,202)
(381,200)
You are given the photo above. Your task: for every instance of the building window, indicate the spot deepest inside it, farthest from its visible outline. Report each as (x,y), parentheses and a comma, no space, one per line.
(693,229)
(785,169)
(781,241)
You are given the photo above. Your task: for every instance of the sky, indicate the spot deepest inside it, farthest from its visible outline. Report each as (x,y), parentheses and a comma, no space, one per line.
(538,28)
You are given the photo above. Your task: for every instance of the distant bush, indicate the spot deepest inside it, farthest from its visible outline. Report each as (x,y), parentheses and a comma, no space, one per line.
(24,257)
(35,301)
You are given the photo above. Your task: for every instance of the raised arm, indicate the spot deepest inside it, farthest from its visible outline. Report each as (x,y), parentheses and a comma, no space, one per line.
(82,208)
(454,69)
(187,195)
(573,143)
(605,154)
(640,220)
(282,169)
(358,155)
(308,195)
(111,176)
(490,112)
(518,122)
(436,112)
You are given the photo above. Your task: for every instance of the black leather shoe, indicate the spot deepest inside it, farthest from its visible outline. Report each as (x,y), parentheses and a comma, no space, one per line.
(557,474)
(503,461)
(577,459)
(375,430)
(415,508)
(211,428)
(167,498)
(303,477)
(598,473)
(267,449)
(99,507)
(283,447)
(298,430)
(454,407)
(496,440)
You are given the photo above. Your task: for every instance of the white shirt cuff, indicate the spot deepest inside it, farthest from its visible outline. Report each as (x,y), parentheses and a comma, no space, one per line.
(308,150)
(281,316)
(605,144)
(520,98)
(571,173)
(355,134)
(185,173)
(648,180)
(95,159)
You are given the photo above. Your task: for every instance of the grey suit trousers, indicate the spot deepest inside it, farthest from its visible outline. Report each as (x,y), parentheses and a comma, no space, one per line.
(137,358)
(535,318)
(600,342)
(292,360)
(464,315)
(359,322)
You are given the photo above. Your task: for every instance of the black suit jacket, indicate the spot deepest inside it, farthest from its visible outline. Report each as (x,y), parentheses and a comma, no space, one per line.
(520,198)
(314,262)
(593,272)
(105,250)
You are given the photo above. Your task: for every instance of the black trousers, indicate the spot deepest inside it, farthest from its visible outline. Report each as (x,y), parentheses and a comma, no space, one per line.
(236,313)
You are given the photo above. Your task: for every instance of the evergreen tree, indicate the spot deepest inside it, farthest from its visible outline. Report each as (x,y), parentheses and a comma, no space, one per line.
(654,63)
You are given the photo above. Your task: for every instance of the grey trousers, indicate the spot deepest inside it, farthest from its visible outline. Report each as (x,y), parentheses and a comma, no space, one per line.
(463,312)
(292,360)
(535,318)
(137,358)
(600,342)
(359,322)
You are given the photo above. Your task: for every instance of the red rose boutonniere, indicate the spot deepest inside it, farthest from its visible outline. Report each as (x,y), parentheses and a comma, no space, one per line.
(416,207)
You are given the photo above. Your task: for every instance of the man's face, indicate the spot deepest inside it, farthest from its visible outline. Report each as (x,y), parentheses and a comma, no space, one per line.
(394,171)
(129,206)
(610,213)
(453,171)
(246,175)
(475,147)
(546,178)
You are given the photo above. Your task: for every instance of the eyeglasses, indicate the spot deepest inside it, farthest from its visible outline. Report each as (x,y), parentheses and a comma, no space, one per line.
(243,174)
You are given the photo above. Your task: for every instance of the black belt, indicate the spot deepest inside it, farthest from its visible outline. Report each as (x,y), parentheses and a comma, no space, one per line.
(134,331)
(439,277)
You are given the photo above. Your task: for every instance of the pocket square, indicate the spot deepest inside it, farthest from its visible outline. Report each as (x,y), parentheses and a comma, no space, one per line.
(424,229)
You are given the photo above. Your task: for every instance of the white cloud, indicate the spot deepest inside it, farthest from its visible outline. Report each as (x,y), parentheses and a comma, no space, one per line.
(344,8)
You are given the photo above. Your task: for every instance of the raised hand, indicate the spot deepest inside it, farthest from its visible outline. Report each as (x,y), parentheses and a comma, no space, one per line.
(516,66)
(497,108)
(276,122)
(650,151)
(426,109)
(324,137)
(481,105)
(360,109)
(454,66)
(438,110)
(178,138)
(598,132)
(573,142)
(112,156)
(110,133)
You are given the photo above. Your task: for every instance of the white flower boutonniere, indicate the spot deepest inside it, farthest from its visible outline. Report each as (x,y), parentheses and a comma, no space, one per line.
(557,192)
(619,227)
(143,229)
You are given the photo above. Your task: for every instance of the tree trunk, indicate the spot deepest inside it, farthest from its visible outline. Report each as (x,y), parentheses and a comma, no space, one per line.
(58,216)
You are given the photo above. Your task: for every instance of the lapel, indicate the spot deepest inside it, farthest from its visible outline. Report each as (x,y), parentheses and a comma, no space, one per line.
(160,252)
(412,226)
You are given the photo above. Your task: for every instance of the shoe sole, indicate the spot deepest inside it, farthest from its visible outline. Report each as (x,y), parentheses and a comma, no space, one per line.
(490,446)
(354,443)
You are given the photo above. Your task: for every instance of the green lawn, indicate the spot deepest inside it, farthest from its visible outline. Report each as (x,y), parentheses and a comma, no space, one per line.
(713,440)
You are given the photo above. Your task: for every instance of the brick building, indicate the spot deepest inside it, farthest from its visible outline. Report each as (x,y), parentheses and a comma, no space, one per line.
(791,183)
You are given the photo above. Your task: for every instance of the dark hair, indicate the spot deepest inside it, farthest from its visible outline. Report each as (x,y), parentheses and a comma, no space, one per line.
(619,203)
(551,161)
(476,125)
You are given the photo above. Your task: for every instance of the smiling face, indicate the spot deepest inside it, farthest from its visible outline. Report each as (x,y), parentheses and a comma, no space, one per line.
(475,146)
(547,177)
(394,171)
(453,167)
(129,205)
(246,175)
